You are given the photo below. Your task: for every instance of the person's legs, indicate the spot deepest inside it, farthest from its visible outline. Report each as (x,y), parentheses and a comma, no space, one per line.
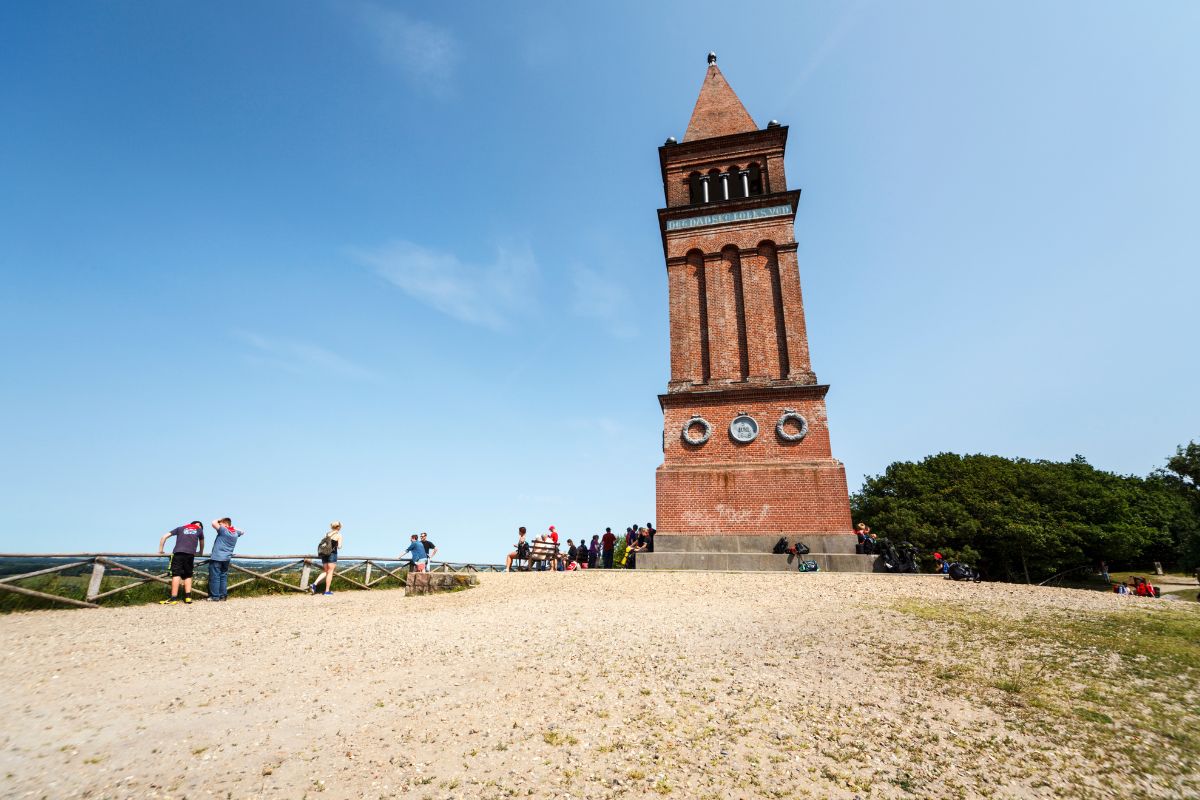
(222,579)
(214,581)
(175,579)
(329,568)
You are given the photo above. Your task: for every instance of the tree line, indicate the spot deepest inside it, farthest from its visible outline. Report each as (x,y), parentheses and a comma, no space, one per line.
(1024,520)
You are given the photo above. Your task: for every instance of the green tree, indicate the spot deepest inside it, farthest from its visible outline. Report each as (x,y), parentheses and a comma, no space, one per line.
(1182,478)
(1026,520)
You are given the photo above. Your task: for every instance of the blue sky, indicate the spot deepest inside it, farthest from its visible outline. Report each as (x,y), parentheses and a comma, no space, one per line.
(398,264)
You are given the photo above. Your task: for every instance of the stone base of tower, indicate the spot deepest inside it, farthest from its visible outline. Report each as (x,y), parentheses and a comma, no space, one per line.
(729,517)
(751,554)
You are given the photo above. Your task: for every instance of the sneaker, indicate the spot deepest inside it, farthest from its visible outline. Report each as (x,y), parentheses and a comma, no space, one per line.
(214,599)
(311,590)
(223,599)
(187,601)
(328,593)
(171,602)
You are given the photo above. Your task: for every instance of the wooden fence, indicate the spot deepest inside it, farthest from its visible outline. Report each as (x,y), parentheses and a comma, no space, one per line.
(364,572)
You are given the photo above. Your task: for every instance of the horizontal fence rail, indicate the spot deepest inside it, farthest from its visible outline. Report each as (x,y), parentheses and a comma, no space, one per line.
(362,572)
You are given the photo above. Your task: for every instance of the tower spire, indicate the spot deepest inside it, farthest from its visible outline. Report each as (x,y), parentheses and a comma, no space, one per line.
(718,110)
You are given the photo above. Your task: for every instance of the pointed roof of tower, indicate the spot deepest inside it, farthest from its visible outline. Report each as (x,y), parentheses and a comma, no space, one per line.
(718,110)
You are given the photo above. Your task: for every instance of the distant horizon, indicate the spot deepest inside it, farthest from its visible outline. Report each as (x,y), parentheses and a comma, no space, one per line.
(401,266)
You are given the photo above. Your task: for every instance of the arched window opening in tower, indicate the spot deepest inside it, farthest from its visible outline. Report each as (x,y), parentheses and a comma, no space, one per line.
(714,182)
(754,180)
(737,186)
(695,183)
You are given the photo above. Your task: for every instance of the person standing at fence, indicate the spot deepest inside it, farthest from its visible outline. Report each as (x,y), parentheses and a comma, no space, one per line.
(189,542)
(416,552)
(327,549)
(608,543)
(430,549)
(594,552)
(218,560)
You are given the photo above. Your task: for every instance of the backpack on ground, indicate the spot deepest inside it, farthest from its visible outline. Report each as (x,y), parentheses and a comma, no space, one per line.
(809,566)
(325,547)
(781,546)
(962,572)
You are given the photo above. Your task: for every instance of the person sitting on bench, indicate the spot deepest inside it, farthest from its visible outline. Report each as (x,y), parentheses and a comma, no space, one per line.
(519,553)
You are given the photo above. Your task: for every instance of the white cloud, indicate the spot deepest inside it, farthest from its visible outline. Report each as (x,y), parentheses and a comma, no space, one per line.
(300,358)
(426,54)
(489,294)
(604,299)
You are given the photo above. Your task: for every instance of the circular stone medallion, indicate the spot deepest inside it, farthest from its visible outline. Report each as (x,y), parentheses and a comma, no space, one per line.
(743,428)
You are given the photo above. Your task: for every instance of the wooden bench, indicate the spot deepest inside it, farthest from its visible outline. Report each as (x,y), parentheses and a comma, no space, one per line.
(538,551)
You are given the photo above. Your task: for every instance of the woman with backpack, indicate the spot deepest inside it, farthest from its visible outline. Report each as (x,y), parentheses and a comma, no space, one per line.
(327,549)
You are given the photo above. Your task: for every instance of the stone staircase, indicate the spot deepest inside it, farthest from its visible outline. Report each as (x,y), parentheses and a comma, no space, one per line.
(832,552)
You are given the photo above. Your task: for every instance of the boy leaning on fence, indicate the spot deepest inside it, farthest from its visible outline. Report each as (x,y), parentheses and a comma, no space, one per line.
(416,552)
(189,542)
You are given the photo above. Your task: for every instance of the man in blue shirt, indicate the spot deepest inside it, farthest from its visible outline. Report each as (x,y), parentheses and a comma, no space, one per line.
(218,562)
(417,551)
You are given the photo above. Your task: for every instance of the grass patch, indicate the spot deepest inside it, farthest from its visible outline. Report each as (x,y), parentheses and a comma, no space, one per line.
(557,738)
(1112,683)
(1093,716)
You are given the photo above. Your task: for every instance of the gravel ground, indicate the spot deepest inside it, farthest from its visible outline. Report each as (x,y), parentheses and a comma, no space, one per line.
(622,684)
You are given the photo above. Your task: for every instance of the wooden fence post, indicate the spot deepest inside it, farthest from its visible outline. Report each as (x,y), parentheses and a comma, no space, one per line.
(367,579)
(304,575)
(97,577)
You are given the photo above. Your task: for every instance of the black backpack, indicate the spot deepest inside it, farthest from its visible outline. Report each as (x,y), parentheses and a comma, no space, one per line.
(781,546)
(962,572)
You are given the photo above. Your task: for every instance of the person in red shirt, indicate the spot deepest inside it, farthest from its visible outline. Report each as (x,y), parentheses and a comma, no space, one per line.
(553,535)
(607,543)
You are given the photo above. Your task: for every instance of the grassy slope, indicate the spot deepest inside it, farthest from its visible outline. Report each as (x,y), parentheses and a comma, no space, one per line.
(1122,686)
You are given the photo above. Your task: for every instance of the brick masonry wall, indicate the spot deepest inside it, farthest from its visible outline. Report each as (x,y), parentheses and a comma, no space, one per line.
(752,499)
(721,448)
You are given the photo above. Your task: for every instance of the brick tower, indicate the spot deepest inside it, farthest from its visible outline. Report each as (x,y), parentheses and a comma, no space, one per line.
(746,453)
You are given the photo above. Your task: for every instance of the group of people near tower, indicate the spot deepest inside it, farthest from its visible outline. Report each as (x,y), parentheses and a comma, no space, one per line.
(545,553)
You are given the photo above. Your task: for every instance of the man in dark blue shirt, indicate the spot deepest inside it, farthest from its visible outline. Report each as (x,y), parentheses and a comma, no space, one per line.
(189,542)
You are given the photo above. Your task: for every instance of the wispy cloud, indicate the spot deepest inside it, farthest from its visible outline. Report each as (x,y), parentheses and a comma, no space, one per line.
(489,294)
(603,298)
(426,54)
(300,358)
(829,45)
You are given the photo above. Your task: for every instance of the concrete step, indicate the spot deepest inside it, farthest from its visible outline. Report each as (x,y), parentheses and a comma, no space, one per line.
(755,562)
(758,543)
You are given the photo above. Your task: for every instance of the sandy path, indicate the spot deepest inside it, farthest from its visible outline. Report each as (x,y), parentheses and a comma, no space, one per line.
(545,685)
